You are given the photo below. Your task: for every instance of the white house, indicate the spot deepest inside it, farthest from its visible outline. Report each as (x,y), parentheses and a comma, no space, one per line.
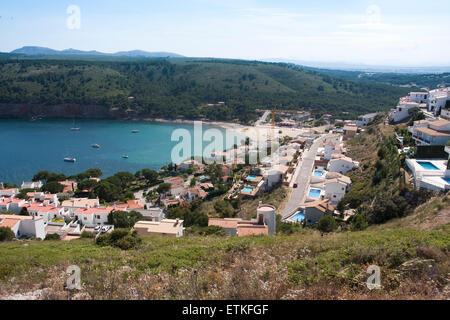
(176,190)
(9,192)
(74,204)
(24,226)
(365,119)
(46,212)
(341,164)
(93,216)
(31,185)
(431,132)
(419,97)
(330,149)
(165,227)
(336,188)
(401,112)
(437,99)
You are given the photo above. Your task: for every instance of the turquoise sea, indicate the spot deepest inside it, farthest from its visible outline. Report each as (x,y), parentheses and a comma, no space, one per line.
(29,147)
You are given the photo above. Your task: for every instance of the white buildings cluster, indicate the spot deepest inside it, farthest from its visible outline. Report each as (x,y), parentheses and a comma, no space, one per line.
(434,101)
(45,213)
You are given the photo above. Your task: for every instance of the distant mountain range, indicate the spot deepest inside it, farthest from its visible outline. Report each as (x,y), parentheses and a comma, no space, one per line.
(42,51)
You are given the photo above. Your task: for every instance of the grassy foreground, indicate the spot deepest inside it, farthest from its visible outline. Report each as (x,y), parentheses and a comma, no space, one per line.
(414,265)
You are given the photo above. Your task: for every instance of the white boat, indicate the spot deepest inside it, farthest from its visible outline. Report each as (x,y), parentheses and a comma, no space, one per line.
(70,159)
(135,131)
(96,146)
(125,156)
(74,128)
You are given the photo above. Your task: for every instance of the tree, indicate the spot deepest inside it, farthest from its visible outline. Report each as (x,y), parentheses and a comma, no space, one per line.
(24,212)
(163,188)
(122,219)
(150,175)
(87,185)
(327,224)
(53,187)
(107,191)
(94,173)
(6,234)
(224,209)
(359,223)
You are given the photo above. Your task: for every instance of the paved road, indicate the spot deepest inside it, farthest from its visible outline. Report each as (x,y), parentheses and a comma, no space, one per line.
(263,118)
(302,178)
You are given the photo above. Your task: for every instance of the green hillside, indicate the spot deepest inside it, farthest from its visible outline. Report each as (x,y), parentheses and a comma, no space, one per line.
(306,265)
(181,88)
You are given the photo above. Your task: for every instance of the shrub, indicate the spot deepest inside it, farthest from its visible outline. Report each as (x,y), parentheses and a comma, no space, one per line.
(52,237)
(120,238)
(122,219)
(359,223)
(87,235)
(327,224)
(6,234)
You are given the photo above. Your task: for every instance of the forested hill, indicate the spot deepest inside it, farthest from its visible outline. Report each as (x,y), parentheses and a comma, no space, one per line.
(182,88)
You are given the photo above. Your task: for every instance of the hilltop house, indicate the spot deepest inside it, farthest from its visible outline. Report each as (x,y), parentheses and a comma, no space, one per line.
(342,164)
(431,132)
(365,119)
(264,224)
(165,227)
(313,211)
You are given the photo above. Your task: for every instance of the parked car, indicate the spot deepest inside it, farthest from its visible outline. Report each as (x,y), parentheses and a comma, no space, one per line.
(105,228)
(295,185)
(97,228)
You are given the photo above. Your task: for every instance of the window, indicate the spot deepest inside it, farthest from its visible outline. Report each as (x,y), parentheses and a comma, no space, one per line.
(98,216)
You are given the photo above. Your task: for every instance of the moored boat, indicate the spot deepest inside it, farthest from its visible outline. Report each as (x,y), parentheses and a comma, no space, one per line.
(70,159)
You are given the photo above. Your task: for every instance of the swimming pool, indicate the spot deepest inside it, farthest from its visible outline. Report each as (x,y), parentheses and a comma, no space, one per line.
(314,193)
(427,165)
(247,190)
(318,173)
(447,180)
(251,178)
(298,217)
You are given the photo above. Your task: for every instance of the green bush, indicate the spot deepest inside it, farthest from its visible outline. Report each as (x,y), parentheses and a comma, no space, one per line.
(87,235)
(358,222)
(120,238)
(6,234)
(327,224)
(52,237)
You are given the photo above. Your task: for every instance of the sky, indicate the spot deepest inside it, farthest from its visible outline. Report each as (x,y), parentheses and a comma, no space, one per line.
(393,32)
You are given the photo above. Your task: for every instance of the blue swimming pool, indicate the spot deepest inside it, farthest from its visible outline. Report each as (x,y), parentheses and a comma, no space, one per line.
(314,193)
(247,190)
(318,173)
(447,180)
(298,217)
(427,165)
(251,178)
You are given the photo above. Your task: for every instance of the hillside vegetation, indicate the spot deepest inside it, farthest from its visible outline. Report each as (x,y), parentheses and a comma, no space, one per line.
(414,265)
(183,88)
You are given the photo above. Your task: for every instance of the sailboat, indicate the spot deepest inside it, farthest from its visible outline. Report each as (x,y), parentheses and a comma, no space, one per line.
(74,128)
(125,156)
(96,146)
(135,131)
(70,159)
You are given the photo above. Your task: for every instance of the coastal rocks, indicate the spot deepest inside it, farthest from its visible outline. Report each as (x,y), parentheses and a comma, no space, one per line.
(28,111)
